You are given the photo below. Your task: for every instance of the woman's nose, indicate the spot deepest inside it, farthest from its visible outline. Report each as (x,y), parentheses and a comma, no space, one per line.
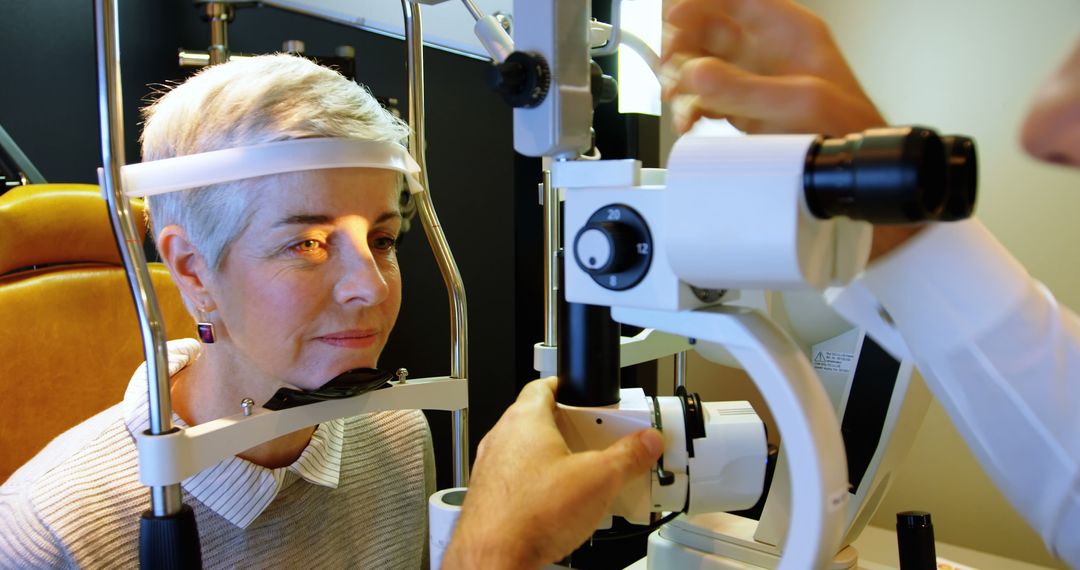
(361,279)
(1051,131)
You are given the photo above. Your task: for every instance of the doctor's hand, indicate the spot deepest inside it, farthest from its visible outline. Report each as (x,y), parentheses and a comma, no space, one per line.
(531,501)
(767,66)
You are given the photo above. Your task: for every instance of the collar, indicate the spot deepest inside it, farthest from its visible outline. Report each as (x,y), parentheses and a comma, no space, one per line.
(236,489)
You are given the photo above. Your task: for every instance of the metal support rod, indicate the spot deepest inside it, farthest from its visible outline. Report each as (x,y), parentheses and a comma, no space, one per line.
(680,369)
(196,58)
(219,14)
(459,330)
(473,9)
(551,261)
(164,500)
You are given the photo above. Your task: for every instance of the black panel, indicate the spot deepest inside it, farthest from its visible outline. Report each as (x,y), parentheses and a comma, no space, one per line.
(867,405)
(48,102)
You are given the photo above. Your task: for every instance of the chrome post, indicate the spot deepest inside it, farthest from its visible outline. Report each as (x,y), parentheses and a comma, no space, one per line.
(680,369)
(459,330)
(165,500)
(473,9)
(551,261)
(219,14)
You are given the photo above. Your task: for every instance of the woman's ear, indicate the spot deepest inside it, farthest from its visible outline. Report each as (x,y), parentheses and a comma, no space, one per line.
(187,267)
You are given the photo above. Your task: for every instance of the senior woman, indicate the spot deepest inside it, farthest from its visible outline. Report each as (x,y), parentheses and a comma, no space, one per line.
(294,280)
(298,276)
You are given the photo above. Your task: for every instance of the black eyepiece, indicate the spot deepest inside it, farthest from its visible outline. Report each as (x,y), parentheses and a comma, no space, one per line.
(961,177)
(895,175)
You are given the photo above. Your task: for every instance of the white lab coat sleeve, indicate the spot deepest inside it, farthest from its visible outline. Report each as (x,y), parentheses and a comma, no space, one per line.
(999,353)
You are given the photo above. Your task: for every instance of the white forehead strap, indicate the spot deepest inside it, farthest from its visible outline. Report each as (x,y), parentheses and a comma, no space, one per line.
(228,165)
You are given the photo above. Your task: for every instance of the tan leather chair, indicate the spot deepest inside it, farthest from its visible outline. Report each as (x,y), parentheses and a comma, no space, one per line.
(69,335)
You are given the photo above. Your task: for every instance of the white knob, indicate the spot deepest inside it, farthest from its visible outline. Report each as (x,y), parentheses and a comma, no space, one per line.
(593,249)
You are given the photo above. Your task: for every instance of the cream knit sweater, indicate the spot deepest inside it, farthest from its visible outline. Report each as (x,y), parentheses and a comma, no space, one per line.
(77,503)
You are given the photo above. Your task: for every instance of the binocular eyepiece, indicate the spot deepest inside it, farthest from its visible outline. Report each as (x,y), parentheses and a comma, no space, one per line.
(894,175)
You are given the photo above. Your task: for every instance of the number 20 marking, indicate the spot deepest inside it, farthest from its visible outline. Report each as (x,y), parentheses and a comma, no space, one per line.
(614,214)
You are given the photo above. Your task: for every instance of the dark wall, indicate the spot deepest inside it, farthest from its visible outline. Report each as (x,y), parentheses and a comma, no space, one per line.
(485,195)
(48,98)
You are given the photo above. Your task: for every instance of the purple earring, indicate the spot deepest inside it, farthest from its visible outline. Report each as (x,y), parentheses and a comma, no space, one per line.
(205,328)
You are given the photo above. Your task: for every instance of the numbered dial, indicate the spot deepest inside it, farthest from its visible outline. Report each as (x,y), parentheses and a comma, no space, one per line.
(614,247)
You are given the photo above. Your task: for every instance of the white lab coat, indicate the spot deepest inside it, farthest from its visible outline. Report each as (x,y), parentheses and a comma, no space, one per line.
(999,353)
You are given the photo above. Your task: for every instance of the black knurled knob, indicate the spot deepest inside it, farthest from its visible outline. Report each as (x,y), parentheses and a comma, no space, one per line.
(522,79)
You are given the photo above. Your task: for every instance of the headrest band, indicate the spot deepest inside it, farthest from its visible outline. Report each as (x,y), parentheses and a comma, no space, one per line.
(218,166)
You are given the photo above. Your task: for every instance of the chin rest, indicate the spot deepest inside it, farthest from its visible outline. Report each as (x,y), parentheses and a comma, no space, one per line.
(346,385)
(69,331)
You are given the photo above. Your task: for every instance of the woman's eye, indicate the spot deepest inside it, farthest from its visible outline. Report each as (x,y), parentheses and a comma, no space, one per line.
(385,243)
(307,246)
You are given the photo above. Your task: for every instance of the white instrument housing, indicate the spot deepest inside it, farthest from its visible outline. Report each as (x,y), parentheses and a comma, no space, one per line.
(557,31)
(731,215)
(725,473)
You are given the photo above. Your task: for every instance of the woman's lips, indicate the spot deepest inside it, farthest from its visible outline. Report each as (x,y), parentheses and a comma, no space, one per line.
(350,339)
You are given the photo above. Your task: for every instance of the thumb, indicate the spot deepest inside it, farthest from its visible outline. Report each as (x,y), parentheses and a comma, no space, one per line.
(722,88)
(635,453)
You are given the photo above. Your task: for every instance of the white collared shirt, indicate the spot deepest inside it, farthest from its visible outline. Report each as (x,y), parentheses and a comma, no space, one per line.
(237,489)
(1000,354)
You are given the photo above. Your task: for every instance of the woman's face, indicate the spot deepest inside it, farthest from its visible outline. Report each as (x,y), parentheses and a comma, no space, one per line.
(311,288)
(1051,131)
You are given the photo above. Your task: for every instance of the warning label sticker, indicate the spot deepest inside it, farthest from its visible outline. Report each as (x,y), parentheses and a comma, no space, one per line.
(829,361)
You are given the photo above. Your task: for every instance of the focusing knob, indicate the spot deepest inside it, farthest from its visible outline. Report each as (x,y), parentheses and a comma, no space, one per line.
(522,79)
(607,247)
(614,247)
(604,88)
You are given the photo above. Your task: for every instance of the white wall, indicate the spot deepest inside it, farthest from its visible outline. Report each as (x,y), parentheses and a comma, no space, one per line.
(970,67)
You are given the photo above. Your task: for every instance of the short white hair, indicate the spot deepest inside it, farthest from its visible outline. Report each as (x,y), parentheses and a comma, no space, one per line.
(246,102)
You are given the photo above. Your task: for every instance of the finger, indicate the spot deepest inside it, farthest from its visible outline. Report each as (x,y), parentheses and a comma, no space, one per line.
(539,393)
(670,73)
(718,35)
(685,112)
(686,13)
(749,126)
(634,453)
(723,89)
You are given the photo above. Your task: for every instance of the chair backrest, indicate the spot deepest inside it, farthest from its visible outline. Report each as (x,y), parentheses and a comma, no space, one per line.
(69,335)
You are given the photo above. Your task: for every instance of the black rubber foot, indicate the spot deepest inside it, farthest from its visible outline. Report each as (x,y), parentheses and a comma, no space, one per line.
(169,542)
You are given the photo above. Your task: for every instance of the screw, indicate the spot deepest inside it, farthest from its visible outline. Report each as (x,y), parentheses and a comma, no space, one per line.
(402,375)
(247,404)
(505,20)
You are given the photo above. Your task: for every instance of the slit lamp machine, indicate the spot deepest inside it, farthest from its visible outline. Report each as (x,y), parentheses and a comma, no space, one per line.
(683,253)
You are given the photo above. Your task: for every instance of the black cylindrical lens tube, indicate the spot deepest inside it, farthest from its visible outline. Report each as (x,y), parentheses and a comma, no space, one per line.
(883,176)
(915,541)
(961,178)
(588,353)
